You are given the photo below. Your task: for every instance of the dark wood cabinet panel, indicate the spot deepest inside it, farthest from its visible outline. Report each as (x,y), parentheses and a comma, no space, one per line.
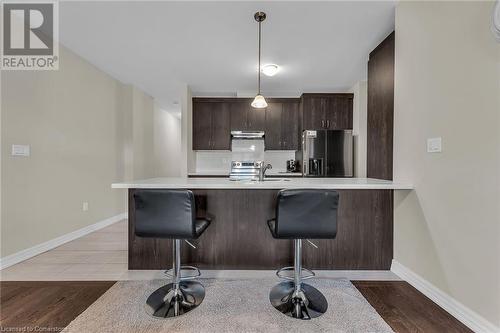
(327,111)
(256,119)
(211,125)
(338,114)
(380,112)
(283,120)
(238,237)
(364,232)
(290,126)
(244,117)
(202,126)
(314,112)
(282,124)
(238,114)
(221,131)
(273,130)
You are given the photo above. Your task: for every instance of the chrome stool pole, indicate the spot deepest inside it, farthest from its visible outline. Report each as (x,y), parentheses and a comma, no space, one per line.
(178,297)
(295,298)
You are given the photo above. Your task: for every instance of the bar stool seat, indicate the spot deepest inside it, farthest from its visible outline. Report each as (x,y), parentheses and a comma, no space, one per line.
(171,214)
(302,214)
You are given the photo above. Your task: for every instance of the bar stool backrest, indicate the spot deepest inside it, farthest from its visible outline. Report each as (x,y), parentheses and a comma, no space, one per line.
(307,214)
(165,213)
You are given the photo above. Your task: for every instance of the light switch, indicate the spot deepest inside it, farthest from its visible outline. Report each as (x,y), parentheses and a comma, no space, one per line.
(20,150)
(434,145)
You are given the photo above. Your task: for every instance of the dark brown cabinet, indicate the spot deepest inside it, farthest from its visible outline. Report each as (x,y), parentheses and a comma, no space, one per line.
(282,121)
(244,117)
(327,111)
(380,112)
(211,125)
(282,125)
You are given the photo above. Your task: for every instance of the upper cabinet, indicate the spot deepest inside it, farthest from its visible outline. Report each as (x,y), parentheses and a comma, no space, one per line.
(282,124)
(282,121)
(327,111)
(211,124)
(244,117)
(380,110)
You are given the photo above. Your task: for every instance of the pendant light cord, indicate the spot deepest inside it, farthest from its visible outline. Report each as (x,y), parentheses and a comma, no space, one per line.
(259,60)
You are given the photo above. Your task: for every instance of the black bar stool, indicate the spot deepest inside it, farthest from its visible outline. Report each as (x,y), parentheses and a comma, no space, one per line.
(171,214)
(302,214)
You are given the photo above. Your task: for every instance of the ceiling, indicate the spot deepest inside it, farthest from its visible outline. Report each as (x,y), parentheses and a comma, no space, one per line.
(212,46)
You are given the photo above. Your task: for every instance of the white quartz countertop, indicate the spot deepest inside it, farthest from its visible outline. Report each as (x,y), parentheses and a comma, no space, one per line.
(270,183)
(271,172)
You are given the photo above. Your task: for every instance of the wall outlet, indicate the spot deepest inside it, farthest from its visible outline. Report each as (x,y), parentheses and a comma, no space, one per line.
(434,145)
(85,206)
(20,150)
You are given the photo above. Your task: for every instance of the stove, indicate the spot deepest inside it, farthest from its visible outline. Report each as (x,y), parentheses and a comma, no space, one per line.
(245,170)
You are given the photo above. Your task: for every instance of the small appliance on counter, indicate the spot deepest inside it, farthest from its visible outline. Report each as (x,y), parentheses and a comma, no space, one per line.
(326,153)
(291,166)
(245,170)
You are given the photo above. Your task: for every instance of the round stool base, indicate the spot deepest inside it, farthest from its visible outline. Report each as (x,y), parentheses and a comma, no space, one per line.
(164,303)
(308,303)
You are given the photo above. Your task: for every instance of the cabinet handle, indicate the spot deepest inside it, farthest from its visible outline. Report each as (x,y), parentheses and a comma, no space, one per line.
(323,123)
(328,123)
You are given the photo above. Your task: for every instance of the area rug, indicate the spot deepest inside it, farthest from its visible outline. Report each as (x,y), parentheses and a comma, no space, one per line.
(230,305)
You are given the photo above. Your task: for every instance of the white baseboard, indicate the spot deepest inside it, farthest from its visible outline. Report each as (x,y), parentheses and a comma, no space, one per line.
(467,316)
(53,243)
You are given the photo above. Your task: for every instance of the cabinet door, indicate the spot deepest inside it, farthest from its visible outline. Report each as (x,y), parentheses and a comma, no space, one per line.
(273,128)
(332,112)
(238,115)
(202,125)
(314,112)
(290,126)
(256,119)
(221,127)
(339,113)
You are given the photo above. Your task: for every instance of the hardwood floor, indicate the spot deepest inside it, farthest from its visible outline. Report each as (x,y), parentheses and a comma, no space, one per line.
(405,309)
(49,305)
(54,304)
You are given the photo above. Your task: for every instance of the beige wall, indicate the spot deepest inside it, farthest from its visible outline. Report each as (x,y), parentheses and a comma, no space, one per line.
(187,153)
(143,134)
(167,131)
(68,117)
(447,85)
(86,130)
(359,130)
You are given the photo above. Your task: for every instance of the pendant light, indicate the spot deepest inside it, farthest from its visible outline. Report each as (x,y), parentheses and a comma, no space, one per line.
(259,101)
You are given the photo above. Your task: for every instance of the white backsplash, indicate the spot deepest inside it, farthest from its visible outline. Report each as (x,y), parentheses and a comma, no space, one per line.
(242,150)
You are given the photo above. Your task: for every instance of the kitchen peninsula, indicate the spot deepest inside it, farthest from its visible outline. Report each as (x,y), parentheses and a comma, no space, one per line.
(239,237)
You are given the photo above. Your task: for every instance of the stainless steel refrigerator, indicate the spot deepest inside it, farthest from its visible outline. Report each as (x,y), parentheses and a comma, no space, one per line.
(326,153)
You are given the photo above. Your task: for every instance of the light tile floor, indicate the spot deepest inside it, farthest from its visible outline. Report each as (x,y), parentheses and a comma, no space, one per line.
(102,255)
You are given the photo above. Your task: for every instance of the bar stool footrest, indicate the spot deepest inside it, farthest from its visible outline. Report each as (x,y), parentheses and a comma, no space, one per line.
(197,273)
(281,275)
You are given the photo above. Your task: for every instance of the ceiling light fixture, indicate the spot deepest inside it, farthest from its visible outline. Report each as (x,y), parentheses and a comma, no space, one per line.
(270,69)
(259,101)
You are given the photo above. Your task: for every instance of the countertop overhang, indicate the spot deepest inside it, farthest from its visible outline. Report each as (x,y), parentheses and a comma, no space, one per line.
(272,183)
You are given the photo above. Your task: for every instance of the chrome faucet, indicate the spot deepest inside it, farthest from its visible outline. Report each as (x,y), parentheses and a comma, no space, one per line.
(262,171)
